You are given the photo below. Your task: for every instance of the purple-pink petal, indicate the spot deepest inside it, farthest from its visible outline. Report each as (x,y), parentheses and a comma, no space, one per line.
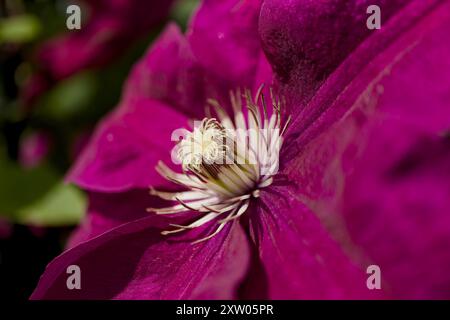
(396,207)
(404,224)
(134,261)
(109,210)
(220,52)
(300,259)
(127,146)
(169,72)
(368,62)
(306,41)
(382,170)
(224,38)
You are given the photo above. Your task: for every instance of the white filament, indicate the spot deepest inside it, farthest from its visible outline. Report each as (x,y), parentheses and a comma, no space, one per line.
(226,161)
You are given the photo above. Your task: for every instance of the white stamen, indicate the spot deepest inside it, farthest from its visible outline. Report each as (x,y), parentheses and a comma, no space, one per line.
(226,161)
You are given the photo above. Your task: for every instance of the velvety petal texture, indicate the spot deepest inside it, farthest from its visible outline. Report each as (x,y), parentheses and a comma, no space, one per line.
(186,70)
(299,257)
(306,40)
(127,146)
(327,43)
(227,31)
(381,172)
(397,210)
(370,60)
(109,210)
(135,262)
(404,224)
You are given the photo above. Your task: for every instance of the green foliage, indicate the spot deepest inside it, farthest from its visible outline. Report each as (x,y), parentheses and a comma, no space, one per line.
(69,98)
(19,29)
(38,196)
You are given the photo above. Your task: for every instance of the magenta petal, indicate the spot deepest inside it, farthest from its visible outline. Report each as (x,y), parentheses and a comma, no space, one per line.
(178,71)
(384,167)
(127,146)
(135,262)
(224,38)
(396,206)
(408,81)
(397,200)
(300,259)
(169,72)
(307,40)
(109,210)
(372,59)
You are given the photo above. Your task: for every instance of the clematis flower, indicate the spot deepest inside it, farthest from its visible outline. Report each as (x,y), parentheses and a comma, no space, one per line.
(112,27)
(363,174)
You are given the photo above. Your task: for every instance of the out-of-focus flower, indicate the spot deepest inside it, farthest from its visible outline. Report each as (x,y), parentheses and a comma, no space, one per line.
(6,228)
(113,26)
(33,149)
(364,167)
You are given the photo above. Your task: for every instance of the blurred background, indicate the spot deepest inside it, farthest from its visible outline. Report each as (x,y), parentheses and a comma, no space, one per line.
(55,85)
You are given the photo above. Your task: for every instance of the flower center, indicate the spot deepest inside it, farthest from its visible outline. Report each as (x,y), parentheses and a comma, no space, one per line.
(204,146)
(226,161)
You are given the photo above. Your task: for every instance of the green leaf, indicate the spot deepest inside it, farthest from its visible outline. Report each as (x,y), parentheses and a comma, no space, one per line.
(69,98)
(62,205)
(38,196)
(182,11)
(19,29)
